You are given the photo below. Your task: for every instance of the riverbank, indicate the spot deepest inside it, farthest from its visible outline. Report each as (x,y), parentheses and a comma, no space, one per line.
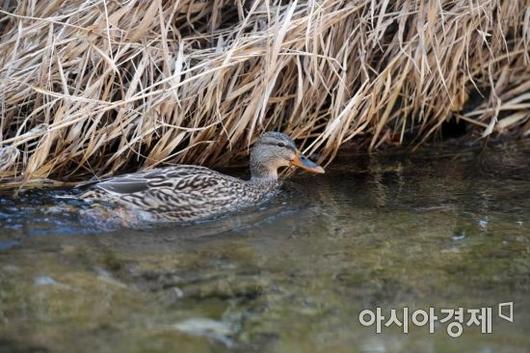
(99,88)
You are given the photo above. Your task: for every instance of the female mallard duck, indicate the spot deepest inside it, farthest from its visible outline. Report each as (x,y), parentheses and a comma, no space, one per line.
(188,193)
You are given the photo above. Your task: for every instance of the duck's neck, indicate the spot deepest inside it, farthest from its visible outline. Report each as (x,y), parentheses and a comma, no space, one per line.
(263,173)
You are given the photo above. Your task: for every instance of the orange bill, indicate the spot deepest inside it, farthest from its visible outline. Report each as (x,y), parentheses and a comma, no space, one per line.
(306,164)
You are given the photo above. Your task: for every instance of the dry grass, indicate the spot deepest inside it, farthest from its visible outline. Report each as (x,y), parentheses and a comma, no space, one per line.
(94,87)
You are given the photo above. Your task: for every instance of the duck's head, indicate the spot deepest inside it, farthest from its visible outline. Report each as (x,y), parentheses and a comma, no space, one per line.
(274,150)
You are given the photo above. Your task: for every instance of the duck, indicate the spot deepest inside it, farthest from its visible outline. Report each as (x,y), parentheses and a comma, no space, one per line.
(188,193)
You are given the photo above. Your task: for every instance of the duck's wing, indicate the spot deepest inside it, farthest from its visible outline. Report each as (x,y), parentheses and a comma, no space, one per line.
(126,184)
(181,177)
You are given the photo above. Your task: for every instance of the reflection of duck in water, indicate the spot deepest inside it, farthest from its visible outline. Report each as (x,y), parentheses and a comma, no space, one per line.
(187,193)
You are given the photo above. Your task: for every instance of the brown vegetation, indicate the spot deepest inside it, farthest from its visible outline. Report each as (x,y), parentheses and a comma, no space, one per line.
(97,87)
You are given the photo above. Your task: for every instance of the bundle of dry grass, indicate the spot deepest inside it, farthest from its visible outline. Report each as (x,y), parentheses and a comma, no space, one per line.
(96,87)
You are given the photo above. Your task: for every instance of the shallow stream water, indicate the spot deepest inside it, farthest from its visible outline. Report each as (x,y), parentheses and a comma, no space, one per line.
(438,228)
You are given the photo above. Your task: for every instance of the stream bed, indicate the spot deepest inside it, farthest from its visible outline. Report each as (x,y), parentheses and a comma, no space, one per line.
(438,228)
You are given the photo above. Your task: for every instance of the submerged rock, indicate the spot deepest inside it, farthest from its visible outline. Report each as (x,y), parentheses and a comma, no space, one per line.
(217,330)
(48,281)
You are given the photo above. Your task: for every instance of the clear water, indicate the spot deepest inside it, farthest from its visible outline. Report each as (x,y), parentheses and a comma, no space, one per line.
(436,228)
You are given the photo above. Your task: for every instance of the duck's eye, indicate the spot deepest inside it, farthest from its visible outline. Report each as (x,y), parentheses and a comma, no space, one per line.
(281,144)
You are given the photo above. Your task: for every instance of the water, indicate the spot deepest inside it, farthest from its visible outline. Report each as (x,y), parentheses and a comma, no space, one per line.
(437,228)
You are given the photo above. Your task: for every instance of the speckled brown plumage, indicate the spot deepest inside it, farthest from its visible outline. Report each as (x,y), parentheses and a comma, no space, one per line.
(181,193)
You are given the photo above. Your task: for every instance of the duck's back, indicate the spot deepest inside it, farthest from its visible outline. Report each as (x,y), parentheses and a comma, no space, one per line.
(181,193)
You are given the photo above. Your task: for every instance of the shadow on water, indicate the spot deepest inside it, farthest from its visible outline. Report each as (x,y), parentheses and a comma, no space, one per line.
(435,229)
